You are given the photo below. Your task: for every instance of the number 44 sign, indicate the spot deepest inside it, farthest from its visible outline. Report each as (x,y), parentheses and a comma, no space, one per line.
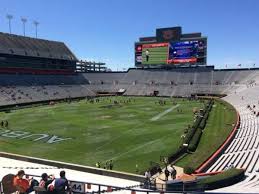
(77,187)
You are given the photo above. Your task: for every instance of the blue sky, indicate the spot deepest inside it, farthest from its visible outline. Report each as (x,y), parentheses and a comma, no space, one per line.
(105,30)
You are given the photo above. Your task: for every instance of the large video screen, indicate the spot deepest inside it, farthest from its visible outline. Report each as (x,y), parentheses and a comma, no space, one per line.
(186,52)
(174,53)
(149,54)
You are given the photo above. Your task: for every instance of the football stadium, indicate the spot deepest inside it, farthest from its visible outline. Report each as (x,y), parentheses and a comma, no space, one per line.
(171,123)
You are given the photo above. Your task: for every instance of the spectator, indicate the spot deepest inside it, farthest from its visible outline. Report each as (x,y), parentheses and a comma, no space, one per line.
(173,172)
(147,178)
(45,181)
(167,173)
(148,174)
(137,170)
(21,184)
(159,169)
(61,184)
(98,165)
(231,165)
(111,165)
(6,124)
(107,165)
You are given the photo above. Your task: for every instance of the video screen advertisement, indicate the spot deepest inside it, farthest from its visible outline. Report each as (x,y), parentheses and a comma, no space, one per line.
(174,53)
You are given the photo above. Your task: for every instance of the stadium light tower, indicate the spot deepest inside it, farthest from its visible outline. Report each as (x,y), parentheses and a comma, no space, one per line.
(24,20)
(9,17)
(36,27)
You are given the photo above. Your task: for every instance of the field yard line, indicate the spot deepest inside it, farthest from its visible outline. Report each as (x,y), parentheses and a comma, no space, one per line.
(164,113)
(123,133)
(136,148)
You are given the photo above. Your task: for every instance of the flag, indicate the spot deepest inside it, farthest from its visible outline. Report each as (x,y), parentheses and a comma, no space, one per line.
(239,65)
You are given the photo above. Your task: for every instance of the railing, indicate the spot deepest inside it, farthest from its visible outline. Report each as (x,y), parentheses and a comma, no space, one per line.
(80,187)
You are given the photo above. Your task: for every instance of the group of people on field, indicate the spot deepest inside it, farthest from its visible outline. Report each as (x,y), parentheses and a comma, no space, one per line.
(48,183)
(108,165)
(4,123)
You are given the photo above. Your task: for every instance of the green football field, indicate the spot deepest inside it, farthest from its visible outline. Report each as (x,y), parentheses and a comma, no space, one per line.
(157,55)
(129,133)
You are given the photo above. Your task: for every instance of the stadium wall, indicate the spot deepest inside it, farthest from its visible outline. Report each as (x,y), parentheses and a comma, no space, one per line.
(77,167)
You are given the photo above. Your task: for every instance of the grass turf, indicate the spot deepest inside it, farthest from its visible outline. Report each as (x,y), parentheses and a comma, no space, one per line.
(219,125)
(123,133)
(157,55)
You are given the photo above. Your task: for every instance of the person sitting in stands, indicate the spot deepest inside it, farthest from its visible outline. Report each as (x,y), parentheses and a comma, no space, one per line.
(231,165)
(45,181)
(22,185)
(61,184)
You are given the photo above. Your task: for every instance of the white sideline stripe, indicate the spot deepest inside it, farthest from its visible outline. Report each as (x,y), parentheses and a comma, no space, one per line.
(164,113)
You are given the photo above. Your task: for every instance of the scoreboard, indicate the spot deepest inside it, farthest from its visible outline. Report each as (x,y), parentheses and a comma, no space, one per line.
(170,49)
(176,53)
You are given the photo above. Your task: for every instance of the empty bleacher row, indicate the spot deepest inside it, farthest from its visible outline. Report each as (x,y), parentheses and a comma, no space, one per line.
(243,152)
(22,88)
(34,80)
(178,82)
(19,45)
(176,77)
(27,94)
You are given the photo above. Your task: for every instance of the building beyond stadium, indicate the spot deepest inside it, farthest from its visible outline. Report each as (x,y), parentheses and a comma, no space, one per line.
(170,47)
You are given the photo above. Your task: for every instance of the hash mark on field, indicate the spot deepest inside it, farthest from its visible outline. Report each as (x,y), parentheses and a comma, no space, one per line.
(164,113)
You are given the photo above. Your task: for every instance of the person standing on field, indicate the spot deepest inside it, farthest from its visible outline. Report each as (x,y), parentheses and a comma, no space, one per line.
(147,55)
(111,165)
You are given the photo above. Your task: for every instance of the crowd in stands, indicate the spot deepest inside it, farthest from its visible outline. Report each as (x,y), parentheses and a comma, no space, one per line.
(47,184)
